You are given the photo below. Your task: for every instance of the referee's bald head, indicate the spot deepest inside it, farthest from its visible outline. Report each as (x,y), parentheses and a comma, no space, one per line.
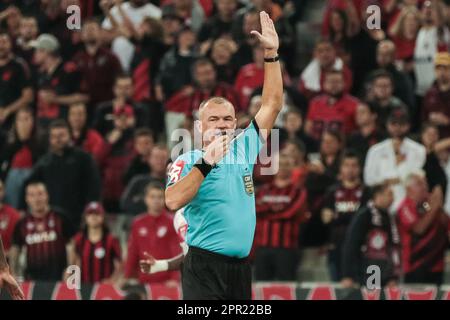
(216,113)
(219,102)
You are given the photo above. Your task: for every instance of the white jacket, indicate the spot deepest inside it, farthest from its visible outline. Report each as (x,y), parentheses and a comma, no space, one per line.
(381,165)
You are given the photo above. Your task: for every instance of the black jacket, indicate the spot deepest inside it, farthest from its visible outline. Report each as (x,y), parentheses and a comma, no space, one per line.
(372,239)
(72,180)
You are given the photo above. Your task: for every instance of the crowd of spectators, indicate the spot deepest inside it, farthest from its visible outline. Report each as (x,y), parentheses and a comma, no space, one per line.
(87,116)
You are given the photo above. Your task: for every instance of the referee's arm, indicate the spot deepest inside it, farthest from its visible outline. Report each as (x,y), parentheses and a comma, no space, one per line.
(185,189)
(272,95)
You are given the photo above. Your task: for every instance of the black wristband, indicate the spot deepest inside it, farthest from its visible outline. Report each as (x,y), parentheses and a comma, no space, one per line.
(204,167)
(274,59)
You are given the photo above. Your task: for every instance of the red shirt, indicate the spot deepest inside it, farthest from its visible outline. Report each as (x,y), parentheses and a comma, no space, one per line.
(93,144)
(405,48)
(97,259)
(23,158)
(156,236)
(249,78)
(421,252)
(338,116)
(8,219)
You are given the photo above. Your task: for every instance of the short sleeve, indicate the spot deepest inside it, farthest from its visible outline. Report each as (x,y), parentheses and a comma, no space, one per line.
(407,216)
(250,141)
(179,168)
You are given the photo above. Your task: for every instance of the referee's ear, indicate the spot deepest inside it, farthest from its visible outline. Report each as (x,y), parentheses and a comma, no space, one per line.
(198,126)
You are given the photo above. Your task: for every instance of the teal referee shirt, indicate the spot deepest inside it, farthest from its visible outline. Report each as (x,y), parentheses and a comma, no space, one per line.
(221,217)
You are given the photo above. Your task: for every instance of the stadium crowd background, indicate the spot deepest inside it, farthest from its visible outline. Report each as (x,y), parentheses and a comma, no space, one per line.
(86,117)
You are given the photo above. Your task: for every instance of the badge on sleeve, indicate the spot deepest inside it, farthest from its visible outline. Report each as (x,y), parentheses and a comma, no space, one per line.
(175,172)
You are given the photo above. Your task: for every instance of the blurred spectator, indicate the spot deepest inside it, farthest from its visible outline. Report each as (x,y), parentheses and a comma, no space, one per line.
(323,169)
(150,49)
(8,219)
(28,31)
(175,67)
(293,125)
(433,37)
(186,101)
(250,77)
(95,250)
(245,42)
(372,239)
(404,33)
(189,10)
(119,152)
(381,96)
(220,23)
(280,208)
(392,160)
(368,132)
(271,7)
(333,110)
(15,84)
(128,14)
(434,172)
(436,104)
(143,145)
(152,232)
(59,82)
(123,92)
(340,204)
(87,139)
(423,229)
(69,174)
(97,65)
(221,55)
(313,77)
(11,17)
(296,150)
(401,83)
(133,197)
(349,12)
(44,233)
(22,150)
(363,50)
(340,30)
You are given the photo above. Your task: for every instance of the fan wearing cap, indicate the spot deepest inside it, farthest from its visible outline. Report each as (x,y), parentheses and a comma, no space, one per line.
(94,249)
(119,152)
(436,104)
(15,85)
(58,82)
(393,159)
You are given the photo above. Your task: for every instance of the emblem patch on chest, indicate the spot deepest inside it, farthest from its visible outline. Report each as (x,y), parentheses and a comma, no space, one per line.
(248,184)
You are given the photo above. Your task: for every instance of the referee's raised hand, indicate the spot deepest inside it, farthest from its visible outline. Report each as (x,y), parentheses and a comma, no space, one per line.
(217,149)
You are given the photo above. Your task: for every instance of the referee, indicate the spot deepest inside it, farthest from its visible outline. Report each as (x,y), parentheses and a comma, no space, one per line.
(216,188)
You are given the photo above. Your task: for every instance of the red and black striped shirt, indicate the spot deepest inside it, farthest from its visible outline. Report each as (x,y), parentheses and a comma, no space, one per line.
(424,252)
(97,259)
(279,213)
(45,242)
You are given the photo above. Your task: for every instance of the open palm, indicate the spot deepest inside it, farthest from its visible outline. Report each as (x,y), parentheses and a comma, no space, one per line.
(268,36)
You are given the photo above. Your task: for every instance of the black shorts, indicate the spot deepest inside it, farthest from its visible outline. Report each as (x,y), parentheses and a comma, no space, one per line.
(210,276)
